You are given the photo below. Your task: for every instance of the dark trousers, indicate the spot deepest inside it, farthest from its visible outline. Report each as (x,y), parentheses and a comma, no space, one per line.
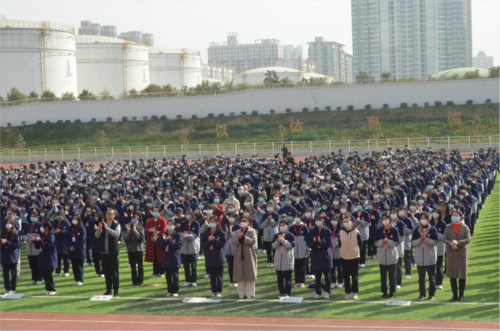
(407,258)
(216,278)
(269,251)
(350,269)
(49,280)
(337,266)
(372,249)
(230,264)
(362,253)
(88,249)
(412,257)
(172,277)
(157,268)
(190,268)
(391,270)
(453,282)
(65,261)
(96,257)
(260,238)
(77,265)
(110,269)
(36,274)
(10,276)
(137,272)
(300,271)
(285,282)
(430,269)
(308,268)
(399,272)
(439,271)
(317,275)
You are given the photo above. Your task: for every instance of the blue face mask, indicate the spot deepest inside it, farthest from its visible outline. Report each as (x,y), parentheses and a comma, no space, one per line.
(324,207)
(313,190)
(201,206)
(318,223)
(216,200)
(240,191)
(261,199)
(455,219)
(149,205)
(231,197)
(359,207)
(420,202)
(369,207)
(344,196)
(188,194)
(42,214)
(230,210)
(188,217)
(429,187)
(170,227)
(165,199)
(33,219)
(287,203)
(33,198)
(134,222)
(451,206)
(212,225)
(272,185)
(260,187)
(155,214)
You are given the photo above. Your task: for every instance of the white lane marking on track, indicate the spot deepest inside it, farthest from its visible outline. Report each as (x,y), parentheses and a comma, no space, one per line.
(251,325)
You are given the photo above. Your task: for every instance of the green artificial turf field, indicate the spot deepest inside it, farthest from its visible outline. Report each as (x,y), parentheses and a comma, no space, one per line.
(481,295)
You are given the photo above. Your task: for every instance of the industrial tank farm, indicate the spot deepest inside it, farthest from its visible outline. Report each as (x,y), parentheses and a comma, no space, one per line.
(114,64)
(177,67)
(37,56)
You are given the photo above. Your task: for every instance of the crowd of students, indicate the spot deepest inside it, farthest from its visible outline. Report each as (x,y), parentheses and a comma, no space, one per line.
(320,219)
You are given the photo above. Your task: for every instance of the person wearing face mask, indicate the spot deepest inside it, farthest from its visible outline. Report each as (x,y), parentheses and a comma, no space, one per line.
(213,242)
(230,226)
(245,260)
(425,240)
(32,231)
(190,232)
(135,238)
(438,222)
(320,242)
(10,244)
(350,243)
(61,227)
(270,225)
(47,260)
(154,227)
(387,241)
(88,221)
(338,278)
(362,226)
(409,227)
(76,242)
(300,250)
(170,243)
(456,238)
(231,200)
(283,244)
(374,218)
(96,244)
(401,227)
(288,211)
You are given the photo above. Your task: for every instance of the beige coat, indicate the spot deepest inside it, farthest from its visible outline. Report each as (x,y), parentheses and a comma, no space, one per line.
(456,259)
(245,270)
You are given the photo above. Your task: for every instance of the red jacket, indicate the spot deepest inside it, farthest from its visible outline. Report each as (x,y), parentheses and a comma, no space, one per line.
(161,226)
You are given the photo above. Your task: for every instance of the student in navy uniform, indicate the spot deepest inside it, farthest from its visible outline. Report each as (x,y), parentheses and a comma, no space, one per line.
(425,240)
(75,241)
(213,242)
(32,231)
(170,243)
(96,244)
(135,238)
(300,231)
(190,230)
(47,260)
(283,244)
(387,242)
(350,244)
(10,244)
(337,278)
(61,226)
(230,226)
(395,223)
(440,225)
(320,242)
(374,222)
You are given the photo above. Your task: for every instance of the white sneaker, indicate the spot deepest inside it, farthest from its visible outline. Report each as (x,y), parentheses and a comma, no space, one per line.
(230,285)
(39,282)
(408,276)
(355,296)
(102,276)
(317,296)
(57,275)
(398,287)
(194,285)
(347,296)
(313,277)
(285,296)
(12,292)
(175,295)
(33,282)
(339,285)
(439,287)
(333,286)
(66,275)
(361,265)
(79,284)
(235,284)
(218,295)
(414,265)
(186,284)
(272,265)
(52,293)
(206,276)
(327,295)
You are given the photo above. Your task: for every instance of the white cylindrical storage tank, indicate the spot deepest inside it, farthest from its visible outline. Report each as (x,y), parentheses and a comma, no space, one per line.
(177,67)
(37,56)
(257,76)
(110,63)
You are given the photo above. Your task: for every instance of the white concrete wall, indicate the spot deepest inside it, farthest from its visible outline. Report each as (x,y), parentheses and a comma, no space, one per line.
(458,91)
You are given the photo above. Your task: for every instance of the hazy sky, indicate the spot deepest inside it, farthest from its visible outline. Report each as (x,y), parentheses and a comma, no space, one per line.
(193,24)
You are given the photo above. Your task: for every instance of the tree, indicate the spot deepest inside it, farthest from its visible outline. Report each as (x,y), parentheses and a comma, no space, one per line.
(287,82)
(472,74)
(68,96)
(106,95)
(16,95)
(86,95)
(364,78)
(102,138)
(493,72)
(18,142)
(49,96)
(455,76)
(33,95)
(271,77)
(385,77)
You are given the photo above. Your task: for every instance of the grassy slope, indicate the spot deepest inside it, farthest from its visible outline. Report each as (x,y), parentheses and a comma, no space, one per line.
(482,287)
(323,125)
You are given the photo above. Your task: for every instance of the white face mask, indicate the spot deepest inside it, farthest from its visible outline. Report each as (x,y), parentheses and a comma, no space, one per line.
(335,203)
(343,210)
(209,212)
(270,209)
(347,225)
(307,215)
(401,213)
(74,222)
(424,222)
(244,224)
(296,220)
(276,198)
(413,208)
(8,226)
(334,223)
(247,204)
(385,222)
(231,219)
(435,215)
(394,216)
(246,214)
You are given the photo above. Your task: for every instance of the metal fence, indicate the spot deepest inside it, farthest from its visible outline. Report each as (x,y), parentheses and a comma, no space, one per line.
(300,148)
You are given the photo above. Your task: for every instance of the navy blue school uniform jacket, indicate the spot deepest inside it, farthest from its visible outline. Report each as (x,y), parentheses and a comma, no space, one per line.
(321,250)
(79,243)
(171,250)
(63,227)
(47,260)
(215,251)
(10,250)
